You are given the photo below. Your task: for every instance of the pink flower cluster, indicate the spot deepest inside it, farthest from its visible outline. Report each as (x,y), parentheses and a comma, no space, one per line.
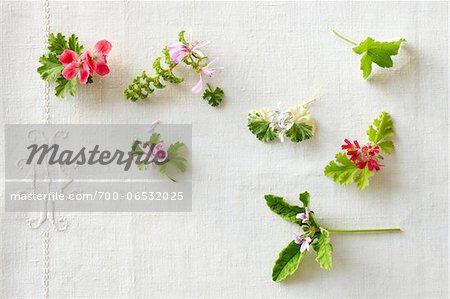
(179,51)
(158,153)
(88,63)
(303,242)
(362,156)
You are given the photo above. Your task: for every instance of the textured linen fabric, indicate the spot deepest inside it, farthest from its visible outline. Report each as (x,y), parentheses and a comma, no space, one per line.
(271,52)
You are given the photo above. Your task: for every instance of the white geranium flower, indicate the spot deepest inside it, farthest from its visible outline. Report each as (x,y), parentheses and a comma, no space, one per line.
(281,120)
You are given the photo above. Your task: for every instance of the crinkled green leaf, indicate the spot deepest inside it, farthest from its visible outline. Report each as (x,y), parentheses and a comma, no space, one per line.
(304,198)
(181,37)
(176,161)
(386,146)
(51,68)
(324,249)
(260,127)
(299,132)
(57,44)
(154,139)
(213,96)
(362,179)
(279,206)
(342,170)
(377,52)
(288,261)
(64,86)
(382,128)
(74,45)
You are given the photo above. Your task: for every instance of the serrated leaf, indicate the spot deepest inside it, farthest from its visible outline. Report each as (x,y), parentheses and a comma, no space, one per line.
(386,146)
(377,52)
(299,132)
(213,97)
(65,86)
(260,127)
(304,198)
(362,179)
(288,261)
(74,45)
(280,207)
(51,68)
(176,162)
(342,170)
(155,138)
(382,128)
(324,249)
(57,44)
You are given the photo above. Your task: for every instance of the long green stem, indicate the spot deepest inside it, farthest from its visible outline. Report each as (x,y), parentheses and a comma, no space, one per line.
(344,38)
(364,230)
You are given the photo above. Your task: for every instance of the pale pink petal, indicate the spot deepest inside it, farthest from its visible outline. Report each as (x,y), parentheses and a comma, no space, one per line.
(67,57)
(70,71)
(103,47)
(300,215)
(199,86)
(304,247)
(161,156)
(102,69)
(158,147)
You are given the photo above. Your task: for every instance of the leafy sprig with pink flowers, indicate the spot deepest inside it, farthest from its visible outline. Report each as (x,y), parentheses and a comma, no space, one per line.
(184,51)
(313,235)
(357,163)
(66,64)
(153,153)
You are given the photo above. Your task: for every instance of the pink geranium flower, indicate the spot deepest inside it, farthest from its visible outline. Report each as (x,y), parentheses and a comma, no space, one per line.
(97,58)
(158,153)
(178,51)
(210,70)
(304,216)
(75,65)
(304,242)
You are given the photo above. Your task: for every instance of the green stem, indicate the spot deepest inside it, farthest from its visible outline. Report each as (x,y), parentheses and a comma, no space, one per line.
(364,230)
(344,38)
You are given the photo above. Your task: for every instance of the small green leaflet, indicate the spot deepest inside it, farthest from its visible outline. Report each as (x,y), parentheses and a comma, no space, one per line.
(299,132)
(362,179)
(304,198)
(260,127)
(382,128)
(342,170)
(324,249)
(280,207)
(176,160)
(64,86)
(51,68)
(213,96)
(288,261)
(376,52)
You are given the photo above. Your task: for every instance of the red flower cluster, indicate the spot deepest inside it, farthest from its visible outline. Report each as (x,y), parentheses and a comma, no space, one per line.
(362,156)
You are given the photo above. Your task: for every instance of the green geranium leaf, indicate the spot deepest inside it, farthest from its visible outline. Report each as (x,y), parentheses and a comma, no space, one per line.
(362,179)
(376,52)
(154,139)
(382,128)
(51,68)
(304,198)
(342,170)
(64,86)
(299,132)
(279,206)
(181,37)
(288,261)
(74,45)
(324,249)
(176,161)
(260,126)
(213,96)
(57,44)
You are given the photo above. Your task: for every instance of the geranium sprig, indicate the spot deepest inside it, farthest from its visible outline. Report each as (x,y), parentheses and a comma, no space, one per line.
(65,61)
(152,152)
(295,123)
(188,52)
(313,235)
(358,163)
(377,52)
